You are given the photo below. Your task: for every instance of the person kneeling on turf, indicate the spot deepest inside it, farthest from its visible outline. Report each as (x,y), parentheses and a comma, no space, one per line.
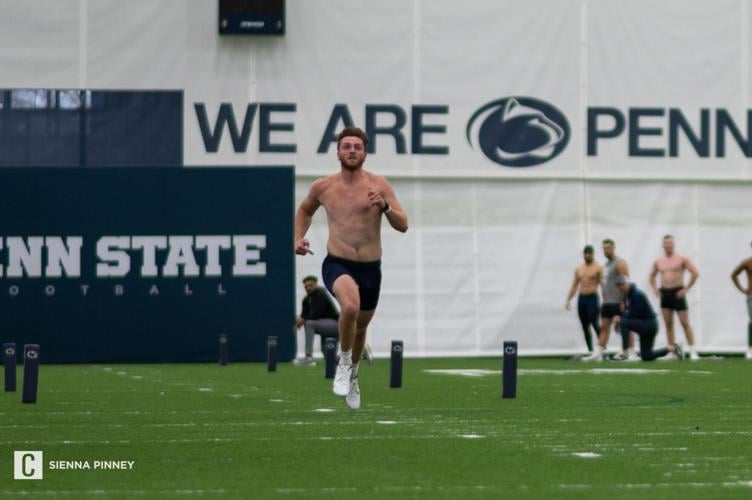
(639,317)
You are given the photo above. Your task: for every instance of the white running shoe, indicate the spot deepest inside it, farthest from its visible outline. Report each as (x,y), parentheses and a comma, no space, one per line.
(669,357)
(594,356)
(368,354)
(693,356)
(748,355)
(620,356)
(633,356)
(353,397)
(341,386)
(304,361)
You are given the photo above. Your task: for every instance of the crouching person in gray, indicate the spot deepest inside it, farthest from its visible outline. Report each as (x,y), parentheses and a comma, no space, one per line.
(639,317)
(318,315)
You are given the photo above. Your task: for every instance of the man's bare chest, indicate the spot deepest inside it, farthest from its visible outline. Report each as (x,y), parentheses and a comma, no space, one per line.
(340,202)
(588,273)
(672,265)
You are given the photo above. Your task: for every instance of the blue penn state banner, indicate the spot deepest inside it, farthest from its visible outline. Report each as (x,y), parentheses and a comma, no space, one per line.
(147,264)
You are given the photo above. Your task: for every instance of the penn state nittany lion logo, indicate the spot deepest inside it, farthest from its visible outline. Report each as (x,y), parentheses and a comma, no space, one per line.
(518,131)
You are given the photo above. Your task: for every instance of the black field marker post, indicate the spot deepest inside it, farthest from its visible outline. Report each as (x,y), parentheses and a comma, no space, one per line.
(395,380)
(509,376)
(271,354)
(330,357)
(31,373)
(9,361)
(224,346)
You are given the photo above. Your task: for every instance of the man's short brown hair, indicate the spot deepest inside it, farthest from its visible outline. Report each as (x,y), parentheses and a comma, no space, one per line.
(353,132)
(608,241)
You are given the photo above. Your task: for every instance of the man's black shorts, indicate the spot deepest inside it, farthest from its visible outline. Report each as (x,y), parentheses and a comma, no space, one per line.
(669,300)
(608,311)
(367,276)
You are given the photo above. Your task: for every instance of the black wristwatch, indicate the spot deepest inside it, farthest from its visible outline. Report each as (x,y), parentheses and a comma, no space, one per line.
(386,208)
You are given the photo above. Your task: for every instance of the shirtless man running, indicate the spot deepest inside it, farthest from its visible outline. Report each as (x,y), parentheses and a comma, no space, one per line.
(355,202)
(587,277)
(745,265)
(673,293)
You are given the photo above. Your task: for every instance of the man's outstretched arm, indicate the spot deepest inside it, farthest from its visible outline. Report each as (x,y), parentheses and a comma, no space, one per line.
(304,216)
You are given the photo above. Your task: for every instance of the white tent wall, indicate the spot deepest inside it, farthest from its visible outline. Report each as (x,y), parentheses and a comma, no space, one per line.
(491,249)
(493,259)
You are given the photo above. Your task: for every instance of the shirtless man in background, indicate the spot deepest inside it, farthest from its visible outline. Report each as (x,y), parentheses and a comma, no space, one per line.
(587,277)
(671,266)
(745,265)
(355,202)
(612,306)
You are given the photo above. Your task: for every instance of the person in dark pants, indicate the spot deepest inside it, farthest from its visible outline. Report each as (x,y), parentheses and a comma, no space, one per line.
(587,279)
(639,317)
(611,308)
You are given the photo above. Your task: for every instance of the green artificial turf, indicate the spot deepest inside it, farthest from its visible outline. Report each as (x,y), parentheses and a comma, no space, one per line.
(682,430)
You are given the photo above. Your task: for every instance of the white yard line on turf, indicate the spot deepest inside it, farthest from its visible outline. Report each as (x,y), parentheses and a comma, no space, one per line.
(388,489)
(474,372)
(109,493)
(640,486)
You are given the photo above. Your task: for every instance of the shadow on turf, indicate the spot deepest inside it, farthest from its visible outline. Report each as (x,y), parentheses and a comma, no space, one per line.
(649,400)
